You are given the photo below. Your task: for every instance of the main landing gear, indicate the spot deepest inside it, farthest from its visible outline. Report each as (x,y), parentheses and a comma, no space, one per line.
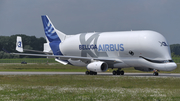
(91,73)
(155,73)
(118,72)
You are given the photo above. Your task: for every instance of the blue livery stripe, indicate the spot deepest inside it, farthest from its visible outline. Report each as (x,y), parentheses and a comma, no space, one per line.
(49,30)
(51,35)
(55,47)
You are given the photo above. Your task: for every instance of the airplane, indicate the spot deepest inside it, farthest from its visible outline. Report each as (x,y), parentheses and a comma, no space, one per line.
(145,50)
(19,47)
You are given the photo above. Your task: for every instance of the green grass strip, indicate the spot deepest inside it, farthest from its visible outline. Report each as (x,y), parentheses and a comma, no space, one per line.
(88,88)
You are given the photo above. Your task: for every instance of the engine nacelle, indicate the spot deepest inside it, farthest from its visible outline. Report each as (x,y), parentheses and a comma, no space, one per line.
(97,66)
(143,69)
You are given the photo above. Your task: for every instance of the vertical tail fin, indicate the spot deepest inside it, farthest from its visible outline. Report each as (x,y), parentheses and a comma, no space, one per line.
(19,45)
(51,32)
(54,36)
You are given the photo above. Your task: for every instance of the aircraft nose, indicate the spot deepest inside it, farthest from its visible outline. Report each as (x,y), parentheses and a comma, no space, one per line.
(171,66)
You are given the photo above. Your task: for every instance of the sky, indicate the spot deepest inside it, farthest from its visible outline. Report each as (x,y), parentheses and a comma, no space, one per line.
(81,16)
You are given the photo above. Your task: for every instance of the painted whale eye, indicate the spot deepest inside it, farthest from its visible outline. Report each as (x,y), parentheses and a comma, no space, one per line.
(131,52)
(164,44)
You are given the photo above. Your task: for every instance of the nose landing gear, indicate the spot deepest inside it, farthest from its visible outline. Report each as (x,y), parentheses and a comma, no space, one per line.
(155,73)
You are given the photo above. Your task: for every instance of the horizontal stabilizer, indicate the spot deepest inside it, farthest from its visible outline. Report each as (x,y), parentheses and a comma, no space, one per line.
(47,48)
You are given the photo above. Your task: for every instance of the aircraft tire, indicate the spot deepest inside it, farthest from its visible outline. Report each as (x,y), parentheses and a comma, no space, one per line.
(155,73)
(118,72)
(122,72)
(95,73)
(114,72)
(87,72)
(91,73)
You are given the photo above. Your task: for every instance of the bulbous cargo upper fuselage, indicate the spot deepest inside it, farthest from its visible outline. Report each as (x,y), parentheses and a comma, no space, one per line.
(127,46)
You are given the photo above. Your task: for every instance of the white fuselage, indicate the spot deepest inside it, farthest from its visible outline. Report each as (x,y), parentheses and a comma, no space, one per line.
(142,49)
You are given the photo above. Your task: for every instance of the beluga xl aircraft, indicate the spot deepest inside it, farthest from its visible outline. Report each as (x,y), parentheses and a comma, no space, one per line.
(144,50)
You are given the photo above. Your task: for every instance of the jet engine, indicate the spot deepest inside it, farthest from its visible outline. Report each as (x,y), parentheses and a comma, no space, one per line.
(97,66)
(143,69)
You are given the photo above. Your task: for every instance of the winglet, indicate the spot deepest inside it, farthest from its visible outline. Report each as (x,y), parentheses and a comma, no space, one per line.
(19,45)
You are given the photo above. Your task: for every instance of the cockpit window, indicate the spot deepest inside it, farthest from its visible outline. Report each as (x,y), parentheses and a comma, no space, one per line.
(171,61)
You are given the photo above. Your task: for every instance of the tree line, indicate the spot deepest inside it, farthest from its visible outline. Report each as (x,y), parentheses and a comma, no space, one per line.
(8,43)
(175,50)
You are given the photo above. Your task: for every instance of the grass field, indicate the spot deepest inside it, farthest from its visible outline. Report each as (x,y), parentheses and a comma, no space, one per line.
(36,67)
(57,67)
(83,87)
(88,88)
(176,59)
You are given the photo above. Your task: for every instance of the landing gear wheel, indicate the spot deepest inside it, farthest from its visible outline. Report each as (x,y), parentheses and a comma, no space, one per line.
(91,73)
(118,72)
(155,73)
(122,72)
(114,72)
(87,72)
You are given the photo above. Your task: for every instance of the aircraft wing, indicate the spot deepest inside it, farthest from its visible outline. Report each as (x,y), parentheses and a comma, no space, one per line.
(84,59)
(37,51)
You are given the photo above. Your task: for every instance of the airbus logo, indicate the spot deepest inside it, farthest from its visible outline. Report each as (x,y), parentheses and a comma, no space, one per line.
(103,47)
(111,47)
(163,43)
(88,46)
